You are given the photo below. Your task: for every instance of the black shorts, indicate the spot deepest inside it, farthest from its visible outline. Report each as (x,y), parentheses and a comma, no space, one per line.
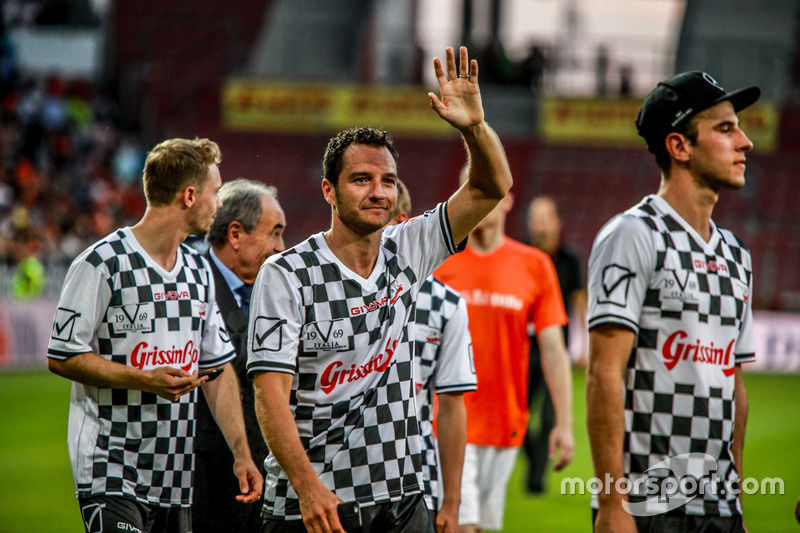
(680,523)
(409,515)
(115,514)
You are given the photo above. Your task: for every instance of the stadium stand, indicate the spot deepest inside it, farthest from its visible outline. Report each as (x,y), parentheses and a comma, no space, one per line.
(165,66)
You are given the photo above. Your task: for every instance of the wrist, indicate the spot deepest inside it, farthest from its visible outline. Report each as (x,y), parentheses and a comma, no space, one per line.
(564,422)
(240,448)
(306,483)
(473,131)
(453,501)
(609,497)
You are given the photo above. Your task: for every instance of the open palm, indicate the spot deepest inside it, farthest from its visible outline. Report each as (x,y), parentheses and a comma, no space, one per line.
(460,100)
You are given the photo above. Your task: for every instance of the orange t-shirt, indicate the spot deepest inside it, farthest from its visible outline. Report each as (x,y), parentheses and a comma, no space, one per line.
(505,290)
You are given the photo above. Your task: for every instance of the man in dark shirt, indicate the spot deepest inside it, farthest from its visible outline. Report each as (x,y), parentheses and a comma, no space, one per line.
(544,230)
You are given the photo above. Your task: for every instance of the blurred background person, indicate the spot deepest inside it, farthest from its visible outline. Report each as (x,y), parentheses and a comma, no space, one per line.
(544,231)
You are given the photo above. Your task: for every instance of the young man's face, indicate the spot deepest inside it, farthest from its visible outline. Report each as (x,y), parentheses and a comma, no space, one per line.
(365,197)
(718,156)
(202,212)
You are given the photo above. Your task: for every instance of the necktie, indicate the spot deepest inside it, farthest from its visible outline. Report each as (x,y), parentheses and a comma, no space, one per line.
(244,293)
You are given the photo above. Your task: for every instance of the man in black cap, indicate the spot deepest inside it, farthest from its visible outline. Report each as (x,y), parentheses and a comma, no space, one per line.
(670,323)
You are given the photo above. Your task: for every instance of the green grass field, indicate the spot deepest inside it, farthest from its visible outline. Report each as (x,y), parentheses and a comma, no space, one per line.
(36,485)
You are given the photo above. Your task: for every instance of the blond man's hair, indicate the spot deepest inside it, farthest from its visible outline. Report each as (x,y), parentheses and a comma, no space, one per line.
(175,164)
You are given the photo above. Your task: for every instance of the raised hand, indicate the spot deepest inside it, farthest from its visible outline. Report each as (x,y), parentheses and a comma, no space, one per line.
(459,102)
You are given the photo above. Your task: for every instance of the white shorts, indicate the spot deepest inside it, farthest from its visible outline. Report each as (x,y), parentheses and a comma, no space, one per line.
(483,485)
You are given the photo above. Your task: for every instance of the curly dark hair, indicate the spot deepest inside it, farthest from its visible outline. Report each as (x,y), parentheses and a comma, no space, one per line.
(332,160)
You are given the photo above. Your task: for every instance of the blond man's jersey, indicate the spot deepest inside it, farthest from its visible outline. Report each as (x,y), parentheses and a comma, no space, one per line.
(118,303)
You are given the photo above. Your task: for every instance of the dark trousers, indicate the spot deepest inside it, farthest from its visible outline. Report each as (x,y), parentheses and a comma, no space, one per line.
(215,508)
(536,444)
(409,515)
(680,523)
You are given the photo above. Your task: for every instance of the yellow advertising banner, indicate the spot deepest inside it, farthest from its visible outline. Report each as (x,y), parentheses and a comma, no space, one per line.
(301,107)
(611,122)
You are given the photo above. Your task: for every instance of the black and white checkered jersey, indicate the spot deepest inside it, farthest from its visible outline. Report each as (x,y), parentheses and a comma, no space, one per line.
(118,303)
(689,303)
(442,364)
(347,341)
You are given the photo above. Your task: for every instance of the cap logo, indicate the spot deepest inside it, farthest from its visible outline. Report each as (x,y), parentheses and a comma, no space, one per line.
(680,115)
(712,81)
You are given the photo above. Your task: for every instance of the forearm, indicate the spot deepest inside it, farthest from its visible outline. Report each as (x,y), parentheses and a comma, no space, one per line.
(91,369)
(605,426)
(489,172)
(280,431)
(558,377)
(225,402)
(451,424)
(739,420)
(557,373)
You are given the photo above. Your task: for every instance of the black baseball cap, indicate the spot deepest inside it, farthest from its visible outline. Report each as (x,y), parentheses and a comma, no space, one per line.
(682,96)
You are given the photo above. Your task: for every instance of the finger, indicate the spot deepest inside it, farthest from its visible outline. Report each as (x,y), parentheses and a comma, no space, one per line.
(249,498)
(331,522)
(473,71)
(565,459)
(452,73)
(438,71)
(463,62)
(568,455)
(244,485)
(172,371)
(436,104)
(562,462)
(249,491)
(312,526)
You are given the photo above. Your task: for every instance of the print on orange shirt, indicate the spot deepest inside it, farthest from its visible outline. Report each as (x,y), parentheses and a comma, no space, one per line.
(505,290)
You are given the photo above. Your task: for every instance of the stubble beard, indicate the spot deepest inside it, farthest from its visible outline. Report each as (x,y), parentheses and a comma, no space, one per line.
(359,226)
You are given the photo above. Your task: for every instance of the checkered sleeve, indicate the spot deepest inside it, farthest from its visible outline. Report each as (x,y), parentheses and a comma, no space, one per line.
(81,306)
(455,370)
(425,241)
(620,263)
(275,322)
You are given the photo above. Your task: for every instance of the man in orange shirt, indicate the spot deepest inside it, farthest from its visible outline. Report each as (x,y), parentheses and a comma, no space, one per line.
(507,286)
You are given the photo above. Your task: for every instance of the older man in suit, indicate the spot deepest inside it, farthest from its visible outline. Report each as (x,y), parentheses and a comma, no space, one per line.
(248,228)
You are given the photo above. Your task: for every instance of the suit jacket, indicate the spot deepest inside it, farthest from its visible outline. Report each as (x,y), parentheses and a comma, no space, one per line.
(209,438)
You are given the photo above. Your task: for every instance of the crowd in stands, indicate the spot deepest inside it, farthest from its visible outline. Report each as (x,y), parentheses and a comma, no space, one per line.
(70,173)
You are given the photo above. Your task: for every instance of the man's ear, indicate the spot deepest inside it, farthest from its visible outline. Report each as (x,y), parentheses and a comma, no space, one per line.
(678,146)
(235,232)
(329,191)
(508,202)
(189,196)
